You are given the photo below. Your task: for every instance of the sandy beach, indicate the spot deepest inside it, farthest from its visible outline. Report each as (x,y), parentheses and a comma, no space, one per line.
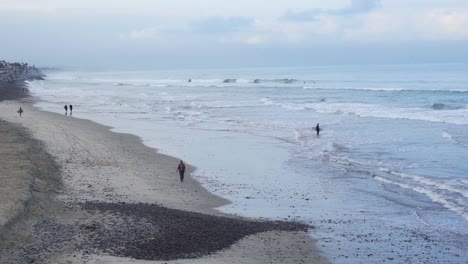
(76,192)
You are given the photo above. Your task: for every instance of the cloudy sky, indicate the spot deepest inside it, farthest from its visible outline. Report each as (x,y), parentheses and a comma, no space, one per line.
(217,33)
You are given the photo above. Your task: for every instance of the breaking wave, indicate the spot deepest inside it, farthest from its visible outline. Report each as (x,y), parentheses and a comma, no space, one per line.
(385,89)
(455,139)
(371,110)
(437,194)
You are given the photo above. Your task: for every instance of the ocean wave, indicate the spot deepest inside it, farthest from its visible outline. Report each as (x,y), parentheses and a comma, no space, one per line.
(276,83)
(334,156)
(122,84)
(452,204)
(186,113)
(452,193)
(438,106)
(271,83)
(290,105)
(448,136)
(194,81)
(355,88)
(386,89)
(442,106)
(214,106)
(455,116)
(266,100)
(454,139)
(130,84)
(284,81)
(453,186)
(141,84)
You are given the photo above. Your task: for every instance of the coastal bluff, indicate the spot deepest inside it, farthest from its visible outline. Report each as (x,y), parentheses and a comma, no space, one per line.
(18,71)
(12,79)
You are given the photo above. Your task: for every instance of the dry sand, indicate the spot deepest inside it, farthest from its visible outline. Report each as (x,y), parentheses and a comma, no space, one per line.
(102,166)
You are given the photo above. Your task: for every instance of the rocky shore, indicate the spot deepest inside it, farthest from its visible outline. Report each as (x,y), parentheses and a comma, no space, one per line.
(137,231)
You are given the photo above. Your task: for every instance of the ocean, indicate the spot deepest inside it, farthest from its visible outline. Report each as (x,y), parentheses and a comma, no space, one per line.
(385,181)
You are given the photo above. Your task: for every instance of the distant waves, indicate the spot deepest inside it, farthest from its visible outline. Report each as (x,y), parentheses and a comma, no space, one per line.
(214,82)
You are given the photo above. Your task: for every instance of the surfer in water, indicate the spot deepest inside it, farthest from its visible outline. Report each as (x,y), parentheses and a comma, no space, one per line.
(317,128)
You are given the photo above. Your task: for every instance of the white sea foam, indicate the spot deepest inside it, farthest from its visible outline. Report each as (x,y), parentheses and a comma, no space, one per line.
(447,202)
(448,136)
(453,186)
(266,100)
(458,116)
(207,80)
(384,89)
(454,139)
(285,105)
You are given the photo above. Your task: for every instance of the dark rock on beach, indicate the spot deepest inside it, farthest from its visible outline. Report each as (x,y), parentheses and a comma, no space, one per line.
(139,231)
(152,232)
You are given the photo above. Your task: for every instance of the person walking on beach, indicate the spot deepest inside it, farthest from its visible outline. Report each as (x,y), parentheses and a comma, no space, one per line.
(317,128)
(71,109)
(66,109)
(181,170)
(20,111)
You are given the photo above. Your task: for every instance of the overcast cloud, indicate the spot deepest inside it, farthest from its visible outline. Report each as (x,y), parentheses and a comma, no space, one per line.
(354,7)
(211,33)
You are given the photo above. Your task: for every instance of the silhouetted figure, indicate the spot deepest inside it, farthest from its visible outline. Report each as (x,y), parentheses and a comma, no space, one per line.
(317,128)
(71,109)
(20,111)
(181,170)
(66,109)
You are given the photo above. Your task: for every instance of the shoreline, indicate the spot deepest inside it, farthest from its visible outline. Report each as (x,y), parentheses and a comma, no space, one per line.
(101,166)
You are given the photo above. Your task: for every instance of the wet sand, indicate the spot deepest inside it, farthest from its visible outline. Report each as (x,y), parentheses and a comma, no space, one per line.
(94,196)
